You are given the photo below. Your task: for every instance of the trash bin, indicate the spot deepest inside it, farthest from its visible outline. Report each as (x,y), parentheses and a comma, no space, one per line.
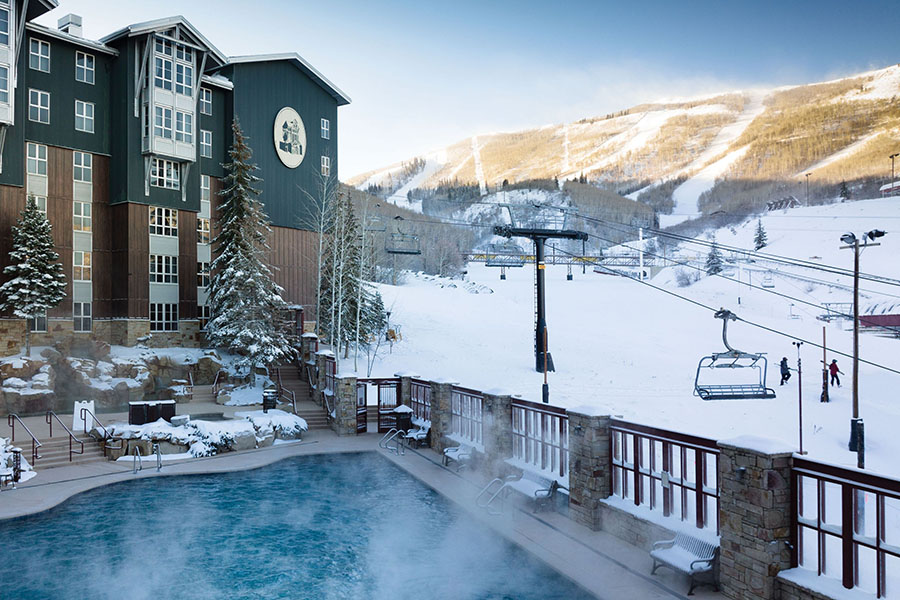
(404,420)
(270,399)
(143,412)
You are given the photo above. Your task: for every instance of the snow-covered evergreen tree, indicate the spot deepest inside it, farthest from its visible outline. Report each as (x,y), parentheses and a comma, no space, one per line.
(714,263)
(37,282)
(760,240)
(845,192)
(244,300)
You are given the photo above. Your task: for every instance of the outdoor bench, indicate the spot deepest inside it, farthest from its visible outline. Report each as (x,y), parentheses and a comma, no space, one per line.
(538,489)
(461,455)
(417,436)
(688,555)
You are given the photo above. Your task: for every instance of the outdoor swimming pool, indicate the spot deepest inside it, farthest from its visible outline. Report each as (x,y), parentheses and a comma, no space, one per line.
(327,526)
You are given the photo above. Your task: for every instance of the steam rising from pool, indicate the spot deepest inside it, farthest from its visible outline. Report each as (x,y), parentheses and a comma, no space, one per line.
(329,527)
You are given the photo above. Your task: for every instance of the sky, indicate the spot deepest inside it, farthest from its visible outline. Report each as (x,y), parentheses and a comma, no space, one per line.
(423,75)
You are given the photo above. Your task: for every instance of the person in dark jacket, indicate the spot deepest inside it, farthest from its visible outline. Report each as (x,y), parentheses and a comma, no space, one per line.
(833,369)
(785,371)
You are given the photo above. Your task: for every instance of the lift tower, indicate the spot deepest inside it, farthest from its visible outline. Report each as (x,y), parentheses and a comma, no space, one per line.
(542,359)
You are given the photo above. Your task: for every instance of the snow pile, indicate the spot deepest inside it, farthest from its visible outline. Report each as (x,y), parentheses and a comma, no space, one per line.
(6,460)
(284,425)
(246,395)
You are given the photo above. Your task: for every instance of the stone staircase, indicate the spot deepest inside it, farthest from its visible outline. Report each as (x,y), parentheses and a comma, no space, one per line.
(310,411)
(54,452)
(203,393)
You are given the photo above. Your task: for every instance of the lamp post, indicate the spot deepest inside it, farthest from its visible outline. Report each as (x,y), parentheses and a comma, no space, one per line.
(892,157)
(807,188)
(856,423)
(799,394)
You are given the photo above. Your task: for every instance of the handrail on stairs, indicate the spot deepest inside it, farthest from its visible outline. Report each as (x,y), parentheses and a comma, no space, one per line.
(107,436)
(72,437)
(35,443)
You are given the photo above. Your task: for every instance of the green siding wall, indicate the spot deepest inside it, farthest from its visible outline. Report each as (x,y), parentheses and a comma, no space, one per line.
(220,125)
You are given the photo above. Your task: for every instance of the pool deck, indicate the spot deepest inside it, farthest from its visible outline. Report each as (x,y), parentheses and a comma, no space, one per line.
(600,563)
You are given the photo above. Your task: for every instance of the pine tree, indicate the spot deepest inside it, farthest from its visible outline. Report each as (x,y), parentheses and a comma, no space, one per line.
(714,264)
(244,300)
(845,192)
(37,282)
(760,240)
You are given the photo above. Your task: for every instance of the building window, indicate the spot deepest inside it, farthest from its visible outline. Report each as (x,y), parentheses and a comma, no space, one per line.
(81,216)
(162,77)
(37,159)
(202,230)
(203,314)
(184,79)
(41,203)
(38,106)
(205,101)
(163,317)
(184,53)
(326,166)
(82,162)
(81,314)
(326,129)
(84,67)
(162,123)
(84,116)
(38,323)
(4,84)
(203,274)
(164,174)
(205,143)
(82,263)
(39,57)
(4,26)
(204,188)
(163,221)
(184,127)
(164,47)
(163,268)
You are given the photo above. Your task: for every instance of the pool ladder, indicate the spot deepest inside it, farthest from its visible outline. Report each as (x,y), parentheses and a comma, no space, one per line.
(489,493)
(393,441)
(138,463)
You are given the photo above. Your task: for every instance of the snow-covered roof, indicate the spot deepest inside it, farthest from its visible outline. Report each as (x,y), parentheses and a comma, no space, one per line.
(73,39)
(218,80)
(301,64)
(889,186)
(155,25)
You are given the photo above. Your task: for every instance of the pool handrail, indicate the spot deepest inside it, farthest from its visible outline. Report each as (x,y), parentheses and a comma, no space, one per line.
(35,443)
(69,431)
(107,436)
(138,463)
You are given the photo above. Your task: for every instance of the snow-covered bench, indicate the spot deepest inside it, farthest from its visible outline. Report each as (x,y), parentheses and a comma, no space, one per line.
(419,435)
(6,477)
(538,489)
(688,555)
(461,455)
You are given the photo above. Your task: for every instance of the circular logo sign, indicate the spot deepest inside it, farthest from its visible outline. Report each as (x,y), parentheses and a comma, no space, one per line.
(290,137)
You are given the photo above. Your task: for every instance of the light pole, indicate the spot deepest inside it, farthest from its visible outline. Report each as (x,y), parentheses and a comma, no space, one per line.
(807,188)
(892,157)
(799,394)
(856,423)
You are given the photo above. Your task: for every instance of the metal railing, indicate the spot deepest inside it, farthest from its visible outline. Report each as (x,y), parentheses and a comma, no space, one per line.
(189,388)
(284,394)
(467,414)
(35,443)
(540,436)
(420,399)
(673,473)
(137,463)
(215,386)
(107,436)
(52,415)
(330,367)
(846,526)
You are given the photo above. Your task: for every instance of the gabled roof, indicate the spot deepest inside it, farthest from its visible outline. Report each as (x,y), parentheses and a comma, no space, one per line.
(301,64)
(74,39)
(146,27)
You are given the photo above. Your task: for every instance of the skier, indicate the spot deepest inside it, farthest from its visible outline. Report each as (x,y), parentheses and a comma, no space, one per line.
(833,368)
(785,371)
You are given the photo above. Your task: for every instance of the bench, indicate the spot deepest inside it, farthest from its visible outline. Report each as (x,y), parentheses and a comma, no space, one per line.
(538,489)
(417,436)
(461,455)
(686,554)
(6,477)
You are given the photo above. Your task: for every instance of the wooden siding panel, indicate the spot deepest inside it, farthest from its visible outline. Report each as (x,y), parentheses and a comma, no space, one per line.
(102,242)
(187,264)
(12,201)
(292,255)
(139,261)
(59,212)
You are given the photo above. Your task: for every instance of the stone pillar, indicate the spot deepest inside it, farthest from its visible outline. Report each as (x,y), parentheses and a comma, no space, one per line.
(497,431)
(441,392)
(319,392)
(344,420)
(590,479)
(404,392)
(308,347)
(754,516)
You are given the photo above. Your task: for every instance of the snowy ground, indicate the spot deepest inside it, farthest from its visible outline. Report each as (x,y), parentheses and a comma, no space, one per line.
(625,348)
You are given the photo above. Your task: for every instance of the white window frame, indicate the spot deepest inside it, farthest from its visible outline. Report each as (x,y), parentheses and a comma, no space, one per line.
(162,64)
(163,317)
(38,322)
(37,60)
(202,274)
(84,111)
(162,121)
(38,95)
(184,127)
(204,188)
(37,158)
(82,219)
(4,84)
(184,78)
(205,101)
(165,174)
(163,221)
(84,67)
(203,315)
(82,166)
(164,269)
(81,316)
(326,129)
(81,265)
(205,143)
(203,230)
(4,32)
(326,166)
(41,203)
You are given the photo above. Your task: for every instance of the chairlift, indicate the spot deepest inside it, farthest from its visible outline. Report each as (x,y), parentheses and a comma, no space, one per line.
(376,224)
(402,243)
(509,254)
(768,281)
(752,388)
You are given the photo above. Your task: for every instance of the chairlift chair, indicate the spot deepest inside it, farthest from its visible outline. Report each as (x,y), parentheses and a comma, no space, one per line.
(768,281)
(752,388)
(509,254)
(376,224)
(402,243)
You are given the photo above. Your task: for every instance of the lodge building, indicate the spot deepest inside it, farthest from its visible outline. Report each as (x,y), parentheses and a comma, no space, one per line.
(121,142)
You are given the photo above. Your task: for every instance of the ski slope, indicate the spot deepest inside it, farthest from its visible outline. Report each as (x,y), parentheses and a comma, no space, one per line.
(624,348)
